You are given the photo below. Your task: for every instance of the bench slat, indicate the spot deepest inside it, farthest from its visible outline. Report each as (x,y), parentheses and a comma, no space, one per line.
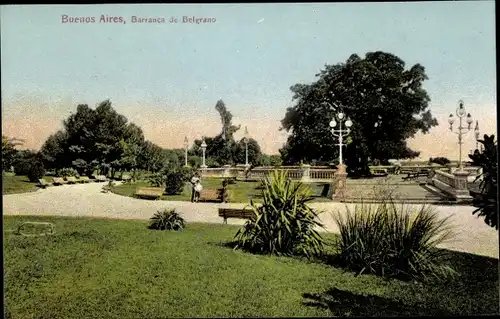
(235,213)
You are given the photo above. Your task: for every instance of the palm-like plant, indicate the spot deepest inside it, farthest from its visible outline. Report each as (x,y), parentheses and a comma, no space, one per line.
(392,240)
(167,220)
(283,224)
(486,200)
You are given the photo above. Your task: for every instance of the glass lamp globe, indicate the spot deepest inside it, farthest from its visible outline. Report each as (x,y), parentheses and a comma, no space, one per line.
(348,123)
(469,119)
(333,123)
(340,115)
(451,120)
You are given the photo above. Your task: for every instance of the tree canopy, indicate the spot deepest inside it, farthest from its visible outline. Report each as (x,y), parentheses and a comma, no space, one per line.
(386,103)
(101,139)
(222,149)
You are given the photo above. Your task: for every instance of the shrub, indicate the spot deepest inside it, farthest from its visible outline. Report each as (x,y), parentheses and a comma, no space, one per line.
(283,224)
(36,171)
(393,240)
(69,171)
(167,220)
(486,201)
(440,160)
(174,182)
(157,179)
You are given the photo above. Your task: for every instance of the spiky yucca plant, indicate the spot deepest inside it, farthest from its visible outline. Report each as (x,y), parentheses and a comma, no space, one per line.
(393,240)
(283,224)
(167,220)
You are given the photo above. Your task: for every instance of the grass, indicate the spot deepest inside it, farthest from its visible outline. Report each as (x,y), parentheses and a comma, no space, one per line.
(15,184)
(242,191)
(95,268)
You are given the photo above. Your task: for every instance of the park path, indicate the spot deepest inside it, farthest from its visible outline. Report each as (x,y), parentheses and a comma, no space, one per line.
(473,235)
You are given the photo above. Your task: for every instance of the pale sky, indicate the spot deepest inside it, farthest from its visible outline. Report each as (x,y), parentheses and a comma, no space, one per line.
(167,77)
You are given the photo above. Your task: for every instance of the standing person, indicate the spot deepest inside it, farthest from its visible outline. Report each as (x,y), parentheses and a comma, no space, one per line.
(197,190)
(194,180)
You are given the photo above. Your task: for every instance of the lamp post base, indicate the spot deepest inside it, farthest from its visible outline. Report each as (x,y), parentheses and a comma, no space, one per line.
(338,187)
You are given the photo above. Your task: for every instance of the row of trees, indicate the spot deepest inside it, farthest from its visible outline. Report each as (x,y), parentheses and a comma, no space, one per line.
(102,139)
(223,149)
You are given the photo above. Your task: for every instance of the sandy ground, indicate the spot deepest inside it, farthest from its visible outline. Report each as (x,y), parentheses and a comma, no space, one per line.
(472,234)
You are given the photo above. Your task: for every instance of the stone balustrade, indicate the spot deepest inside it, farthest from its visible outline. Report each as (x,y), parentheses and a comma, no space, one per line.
(305,173)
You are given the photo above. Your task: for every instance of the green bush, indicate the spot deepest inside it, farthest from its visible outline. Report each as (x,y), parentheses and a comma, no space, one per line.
(167,220)
(439,160)
(393,240)
(174,182)
(283,224)
(69,171)
(156,179)
(36,171)
(486,200)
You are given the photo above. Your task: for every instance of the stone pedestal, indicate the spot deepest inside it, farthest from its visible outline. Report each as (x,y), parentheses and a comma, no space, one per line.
(338,188)
(306,173)
(226,172)
(460,185)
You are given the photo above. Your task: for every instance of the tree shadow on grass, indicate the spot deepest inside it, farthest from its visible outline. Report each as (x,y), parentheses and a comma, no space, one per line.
(472,291)
(346,304)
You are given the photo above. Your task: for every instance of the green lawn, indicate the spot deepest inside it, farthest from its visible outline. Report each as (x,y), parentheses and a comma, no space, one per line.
(94,268)
(14,184)
(241,191)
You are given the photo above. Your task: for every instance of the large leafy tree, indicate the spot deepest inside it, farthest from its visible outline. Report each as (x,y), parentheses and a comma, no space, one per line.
(385,101)
(90,139)
(9,151)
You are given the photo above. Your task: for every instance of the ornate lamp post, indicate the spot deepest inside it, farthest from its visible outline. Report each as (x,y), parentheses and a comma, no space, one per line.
(340,132)
(203,148)
(186,145)
(245,139)
(462,130)
(476,132)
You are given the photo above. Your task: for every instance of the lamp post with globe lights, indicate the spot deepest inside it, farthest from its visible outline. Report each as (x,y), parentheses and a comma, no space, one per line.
(461,130)
(340,132)
(203,149)
(186,145)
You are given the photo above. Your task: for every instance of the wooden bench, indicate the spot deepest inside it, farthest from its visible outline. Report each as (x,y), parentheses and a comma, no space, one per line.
(212,195)
(413,175)
(101,178)
(42,183)
(126,178)
(380,172)
(243,213)
(59,181)
(149,192)
(71,179)
(84,179)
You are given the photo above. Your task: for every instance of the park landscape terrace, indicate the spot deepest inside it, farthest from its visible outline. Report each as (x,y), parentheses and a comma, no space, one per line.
(345,219)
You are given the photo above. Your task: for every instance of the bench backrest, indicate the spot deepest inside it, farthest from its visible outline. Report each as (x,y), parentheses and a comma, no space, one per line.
(236,212)
(58,180)
(84,178)
(42,181)
(71,178)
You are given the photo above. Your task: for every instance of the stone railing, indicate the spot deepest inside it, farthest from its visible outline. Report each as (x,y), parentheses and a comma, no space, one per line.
(454,184)
(304,173)
(322,173)
(445,178)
